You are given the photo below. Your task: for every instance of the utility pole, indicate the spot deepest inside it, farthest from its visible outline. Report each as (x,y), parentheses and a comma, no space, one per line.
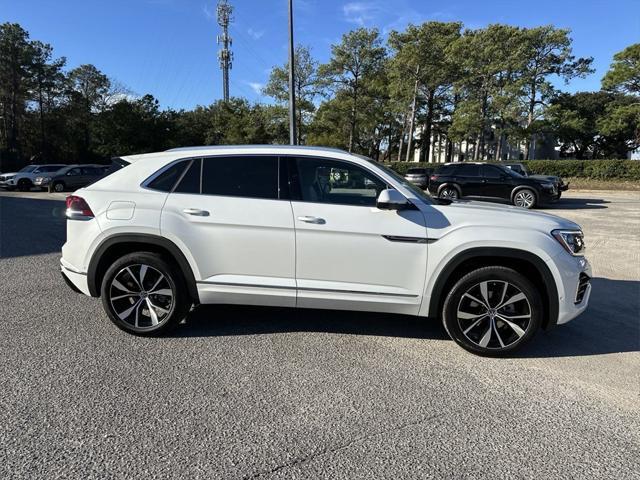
(293,139)
(224,11)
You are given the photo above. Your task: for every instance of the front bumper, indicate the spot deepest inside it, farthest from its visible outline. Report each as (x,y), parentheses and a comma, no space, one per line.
(575,275)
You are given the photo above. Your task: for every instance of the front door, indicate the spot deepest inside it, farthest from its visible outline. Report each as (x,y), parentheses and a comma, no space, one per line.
(496,182)
(350,254)
(226,211)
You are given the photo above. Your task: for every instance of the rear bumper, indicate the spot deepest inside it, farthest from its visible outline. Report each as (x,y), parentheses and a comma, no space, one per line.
(76,280)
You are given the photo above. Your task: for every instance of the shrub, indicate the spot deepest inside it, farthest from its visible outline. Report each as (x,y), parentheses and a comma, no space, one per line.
(590,169)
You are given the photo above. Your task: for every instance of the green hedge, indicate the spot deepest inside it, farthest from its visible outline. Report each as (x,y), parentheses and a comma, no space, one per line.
(592,169)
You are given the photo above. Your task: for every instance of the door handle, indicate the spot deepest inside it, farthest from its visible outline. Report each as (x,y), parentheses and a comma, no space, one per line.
(316,220)
(196,211)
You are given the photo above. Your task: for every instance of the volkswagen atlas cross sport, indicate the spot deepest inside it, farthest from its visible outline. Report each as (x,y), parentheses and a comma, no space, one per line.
(316,228)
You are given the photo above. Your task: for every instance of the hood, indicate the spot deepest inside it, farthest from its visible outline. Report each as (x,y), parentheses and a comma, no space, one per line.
(475,213)
(10,174)
(545,178)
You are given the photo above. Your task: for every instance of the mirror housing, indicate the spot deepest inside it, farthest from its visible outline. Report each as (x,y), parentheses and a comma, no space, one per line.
(390,199)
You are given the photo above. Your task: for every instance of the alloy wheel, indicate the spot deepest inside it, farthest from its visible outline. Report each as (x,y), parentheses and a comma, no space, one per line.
(141,296)
(494,314)
(449,193)
(58,187)
(524,198)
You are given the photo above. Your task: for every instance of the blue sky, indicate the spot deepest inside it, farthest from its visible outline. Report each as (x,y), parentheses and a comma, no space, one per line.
(167,47)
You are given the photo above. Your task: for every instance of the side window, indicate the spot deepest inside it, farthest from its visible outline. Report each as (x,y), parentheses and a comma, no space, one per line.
(165,181)
(74,172)
(332,181)
(491,172)
(468,171)
(190,182)
(89,171)
(242,176)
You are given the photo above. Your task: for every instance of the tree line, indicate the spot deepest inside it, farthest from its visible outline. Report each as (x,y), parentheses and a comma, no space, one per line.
(432,86)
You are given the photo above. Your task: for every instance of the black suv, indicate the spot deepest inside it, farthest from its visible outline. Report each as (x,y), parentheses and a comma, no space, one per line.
(486,180)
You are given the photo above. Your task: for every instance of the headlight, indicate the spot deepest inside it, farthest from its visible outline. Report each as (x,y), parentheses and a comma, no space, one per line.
(571,240)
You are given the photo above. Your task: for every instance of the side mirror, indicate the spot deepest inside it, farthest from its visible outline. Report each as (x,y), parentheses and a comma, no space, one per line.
(392,200)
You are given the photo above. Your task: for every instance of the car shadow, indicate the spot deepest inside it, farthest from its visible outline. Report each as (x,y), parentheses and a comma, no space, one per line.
(578,204)
(610,324)
(31,226)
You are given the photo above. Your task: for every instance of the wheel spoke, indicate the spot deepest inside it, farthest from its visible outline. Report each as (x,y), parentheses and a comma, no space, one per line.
(504,292)
(164,311)
(134,278)
(120,286)
(484,291)
(470,316)
(515,327)
(157,282)
(163,291)
(476,300)
(128,311)
(143,272)
(495,329)
(514,317)
(470,327)
(124,296)
(152,313)
(484,341)
(516,298)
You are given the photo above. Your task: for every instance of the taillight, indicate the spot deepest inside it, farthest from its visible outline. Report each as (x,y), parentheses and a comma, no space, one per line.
(433,177)
(78,208)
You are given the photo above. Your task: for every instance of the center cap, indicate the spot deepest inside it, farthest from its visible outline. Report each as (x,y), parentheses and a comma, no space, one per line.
(143,294)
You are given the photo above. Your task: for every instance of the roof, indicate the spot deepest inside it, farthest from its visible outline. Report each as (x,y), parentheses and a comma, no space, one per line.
(236,149)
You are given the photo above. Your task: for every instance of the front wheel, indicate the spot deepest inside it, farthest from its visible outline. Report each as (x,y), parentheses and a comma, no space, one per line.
(144,295)
(492,311)
(58,187)
(525,198)
(449,193)
(24,185)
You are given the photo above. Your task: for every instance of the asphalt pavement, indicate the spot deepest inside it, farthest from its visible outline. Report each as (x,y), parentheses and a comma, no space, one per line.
(239,392)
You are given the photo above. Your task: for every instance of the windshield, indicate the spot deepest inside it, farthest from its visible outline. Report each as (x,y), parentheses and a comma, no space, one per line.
(510,172)
(28,168)
(421,194)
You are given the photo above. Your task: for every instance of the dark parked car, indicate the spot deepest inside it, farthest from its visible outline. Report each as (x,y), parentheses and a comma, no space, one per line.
(485,180)
(522,170)
(419,176)
(71,177)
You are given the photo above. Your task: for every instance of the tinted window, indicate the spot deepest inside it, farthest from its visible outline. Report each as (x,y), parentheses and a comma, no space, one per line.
(90,171)
(190,182)
(467,170)
(489,171)
(445,170)
(417,171)
(74,172)
(333,181)
(245,176)
(52,168)
(168,178)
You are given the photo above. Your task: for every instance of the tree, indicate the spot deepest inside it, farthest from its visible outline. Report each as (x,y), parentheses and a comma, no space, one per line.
(624,73)
(355,62)
(307,87)
(546,51)
(16,56)
(421,67)
(595,124)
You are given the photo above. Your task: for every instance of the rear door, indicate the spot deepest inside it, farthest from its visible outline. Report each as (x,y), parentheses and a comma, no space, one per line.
(470,180)
(226,212)
(495,182)
(349,254)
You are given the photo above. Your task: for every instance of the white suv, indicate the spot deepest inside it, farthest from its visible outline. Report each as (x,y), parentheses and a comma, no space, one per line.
(316,228)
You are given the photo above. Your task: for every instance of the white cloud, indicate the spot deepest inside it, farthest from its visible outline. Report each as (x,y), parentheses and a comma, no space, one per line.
(209,12)
(255,34)
(256,87)
(360,13)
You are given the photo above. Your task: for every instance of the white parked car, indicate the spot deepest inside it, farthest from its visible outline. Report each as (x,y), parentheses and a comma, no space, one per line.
(298,227)
(24,179)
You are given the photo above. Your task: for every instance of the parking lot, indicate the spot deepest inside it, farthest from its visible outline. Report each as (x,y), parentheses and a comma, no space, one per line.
(239,392)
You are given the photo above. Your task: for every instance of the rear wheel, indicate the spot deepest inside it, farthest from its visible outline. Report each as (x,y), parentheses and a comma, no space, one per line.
(144,295)
(450,193)
(492,311)
(525,198)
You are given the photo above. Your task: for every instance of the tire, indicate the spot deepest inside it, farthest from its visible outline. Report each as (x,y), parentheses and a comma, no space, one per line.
(126,303)
(488,331)
(24,185)
(58,187)
(525,198)
(450,193)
